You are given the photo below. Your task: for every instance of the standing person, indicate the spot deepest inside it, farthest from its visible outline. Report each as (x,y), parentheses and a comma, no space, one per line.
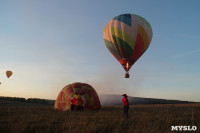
(126,105)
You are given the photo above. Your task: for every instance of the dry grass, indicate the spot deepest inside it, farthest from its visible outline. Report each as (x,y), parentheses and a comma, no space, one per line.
(17,118)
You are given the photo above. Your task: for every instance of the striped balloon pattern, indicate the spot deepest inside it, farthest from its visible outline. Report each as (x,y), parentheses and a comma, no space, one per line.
(66,97)
(127,37)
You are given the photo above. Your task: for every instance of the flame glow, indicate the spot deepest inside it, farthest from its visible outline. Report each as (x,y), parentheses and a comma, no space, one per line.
(127,65)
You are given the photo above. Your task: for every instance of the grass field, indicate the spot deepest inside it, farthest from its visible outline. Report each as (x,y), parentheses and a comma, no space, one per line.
(33,118)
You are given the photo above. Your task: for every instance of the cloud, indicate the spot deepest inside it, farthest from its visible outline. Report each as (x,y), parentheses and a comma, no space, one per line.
(187,53)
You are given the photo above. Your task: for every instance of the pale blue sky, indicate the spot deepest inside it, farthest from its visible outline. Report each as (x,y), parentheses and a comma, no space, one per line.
(49,44)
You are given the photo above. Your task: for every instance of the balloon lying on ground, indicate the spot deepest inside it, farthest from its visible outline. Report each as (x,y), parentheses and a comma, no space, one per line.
(127,37)
(9,73)
(75,94)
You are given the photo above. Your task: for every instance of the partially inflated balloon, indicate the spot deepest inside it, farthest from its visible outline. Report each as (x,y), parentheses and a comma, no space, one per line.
(8,73)
(77,94)
(127,37)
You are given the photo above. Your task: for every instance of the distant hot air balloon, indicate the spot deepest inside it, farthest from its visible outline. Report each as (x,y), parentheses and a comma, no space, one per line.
(8,73)
(127,37)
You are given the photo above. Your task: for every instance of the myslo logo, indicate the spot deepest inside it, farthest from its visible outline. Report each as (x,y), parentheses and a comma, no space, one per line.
(183,128)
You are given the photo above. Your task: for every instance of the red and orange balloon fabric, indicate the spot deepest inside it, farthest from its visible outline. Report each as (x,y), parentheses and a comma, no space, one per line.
(77,94)
(127,37)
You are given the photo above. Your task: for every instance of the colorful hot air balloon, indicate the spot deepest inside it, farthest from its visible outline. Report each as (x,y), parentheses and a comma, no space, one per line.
(8,73)
(77,94)
(127,37)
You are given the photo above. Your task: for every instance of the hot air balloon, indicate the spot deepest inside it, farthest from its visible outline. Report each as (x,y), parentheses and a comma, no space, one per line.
(77,94)
(127,37)
(8,73)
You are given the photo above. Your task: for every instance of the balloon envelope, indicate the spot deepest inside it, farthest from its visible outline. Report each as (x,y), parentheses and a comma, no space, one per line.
(71,94)
(127,37)
(8,73)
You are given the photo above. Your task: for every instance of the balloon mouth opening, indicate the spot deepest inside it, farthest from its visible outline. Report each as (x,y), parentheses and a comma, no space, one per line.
(126,75)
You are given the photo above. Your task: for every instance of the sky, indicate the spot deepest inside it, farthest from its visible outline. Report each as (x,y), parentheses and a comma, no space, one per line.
(50,44)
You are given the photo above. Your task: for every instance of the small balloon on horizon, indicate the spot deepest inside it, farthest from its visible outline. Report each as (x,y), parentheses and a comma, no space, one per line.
(9,73)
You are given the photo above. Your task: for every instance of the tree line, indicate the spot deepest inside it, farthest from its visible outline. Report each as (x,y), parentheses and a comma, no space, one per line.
(29,100)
